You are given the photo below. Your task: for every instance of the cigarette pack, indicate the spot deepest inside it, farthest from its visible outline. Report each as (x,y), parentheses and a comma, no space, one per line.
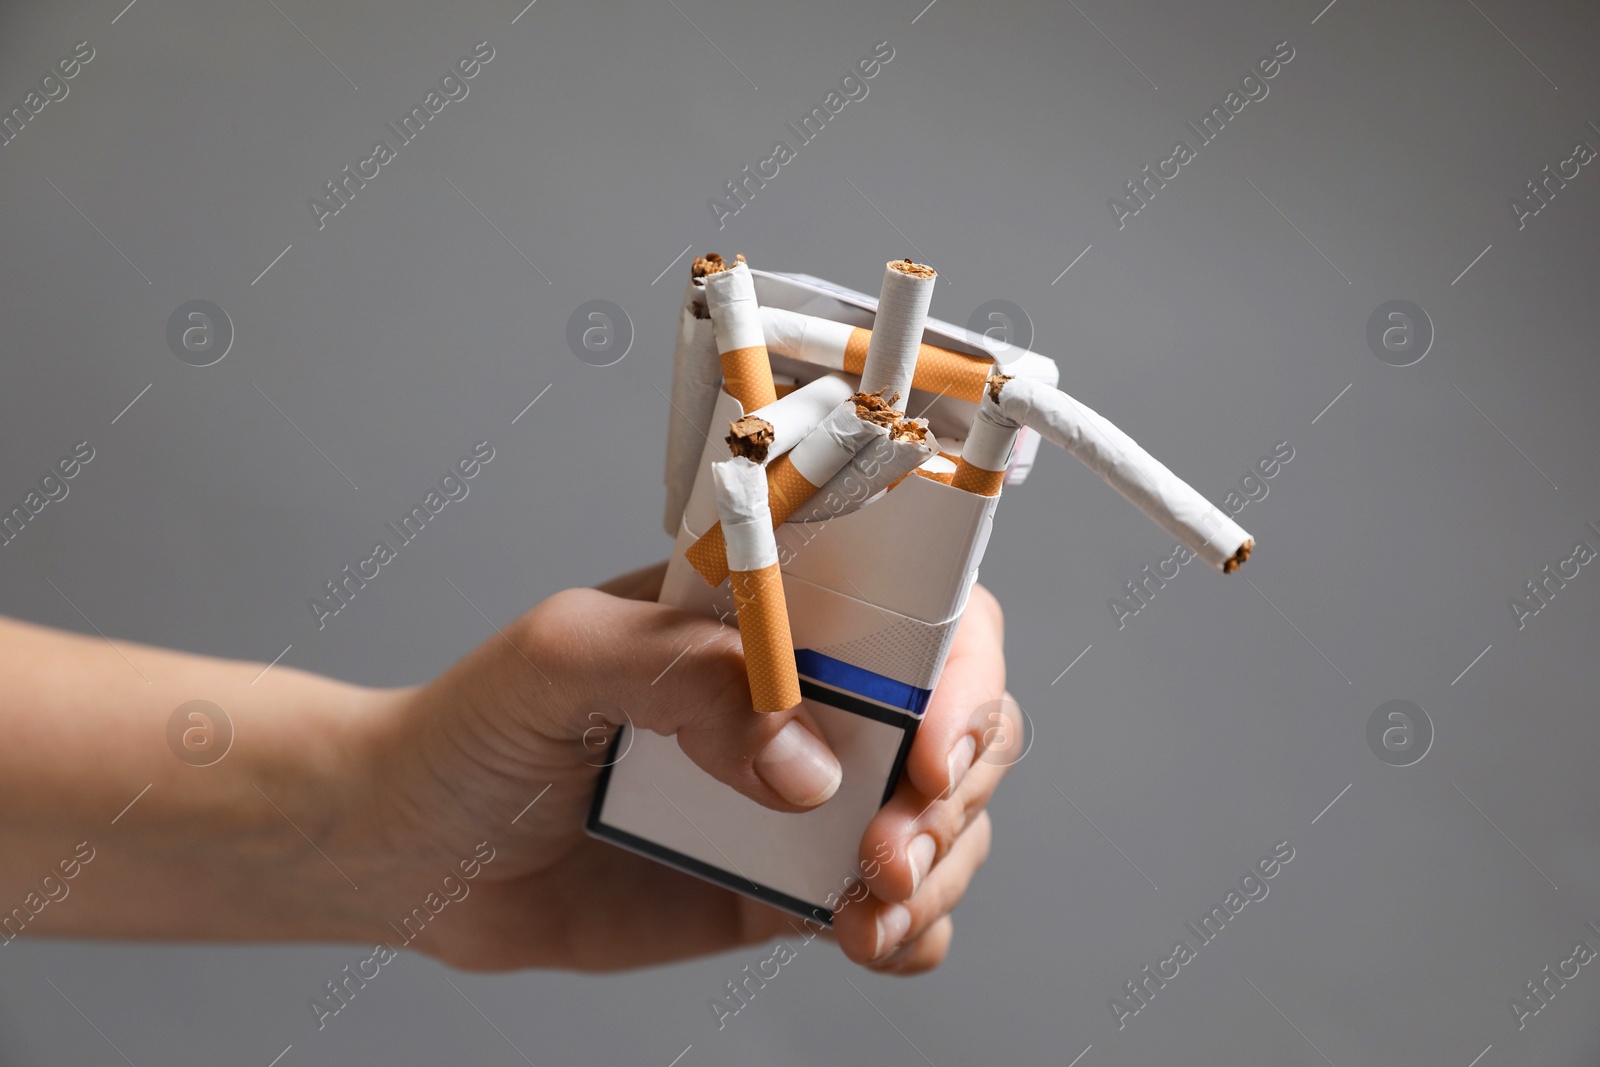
(874,591)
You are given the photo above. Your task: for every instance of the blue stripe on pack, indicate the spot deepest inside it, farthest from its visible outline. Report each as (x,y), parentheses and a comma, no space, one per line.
(860,681)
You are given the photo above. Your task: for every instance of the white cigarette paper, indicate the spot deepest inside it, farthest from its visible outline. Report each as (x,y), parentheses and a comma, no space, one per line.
(696,378)
(1167,499)
(822,342)
(993,435)
(837,346)
(834,443)
(736,319)
(796,415)
(745,513)
(870,471)
(897,329)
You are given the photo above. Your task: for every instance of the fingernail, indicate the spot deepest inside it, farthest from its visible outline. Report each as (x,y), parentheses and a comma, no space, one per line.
(961,759)
(893,924)
(799,766)
(920,855)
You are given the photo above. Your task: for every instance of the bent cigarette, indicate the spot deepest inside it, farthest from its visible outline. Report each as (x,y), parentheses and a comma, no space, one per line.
(793,478)
(696,378)
(1174,505)
(838,346)
(987,452)
(787,420)
(876,468)
(752,559)
(897,330)
(736,318)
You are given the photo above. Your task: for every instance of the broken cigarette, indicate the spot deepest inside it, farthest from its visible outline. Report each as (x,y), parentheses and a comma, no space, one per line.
(877,467)
(797,414)
(1174,505)
(987,452)
(838,346)
(752,559)
(709,263)
(897,330)
(793,478)
(736,318)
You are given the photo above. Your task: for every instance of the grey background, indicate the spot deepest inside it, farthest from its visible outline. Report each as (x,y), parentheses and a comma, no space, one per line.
(1214,725)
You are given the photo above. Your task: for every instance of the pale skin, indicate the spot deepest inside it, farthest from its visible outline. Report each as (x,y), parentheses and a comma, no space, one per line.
(340,807)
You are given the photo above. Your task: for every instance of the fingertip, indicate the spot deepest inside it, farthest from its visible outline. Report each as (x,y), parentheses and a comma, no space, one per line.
(922,953)
(920,854)
(798,765)
(889,929)
(855,928)
(959,761)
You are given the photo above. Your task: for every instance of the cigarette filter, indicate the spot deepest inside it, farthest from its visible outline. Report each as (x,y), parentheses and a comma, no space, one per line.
(793,478)
(752,560)
(987,452)
(897,331)
(838,346)
(1174,505)
(696,377)
(736,318)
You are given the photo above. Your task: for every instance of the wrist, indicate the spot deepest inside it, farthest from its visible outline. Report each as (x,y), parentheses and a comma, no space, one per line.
(332,831)
(272,842)
(407,787)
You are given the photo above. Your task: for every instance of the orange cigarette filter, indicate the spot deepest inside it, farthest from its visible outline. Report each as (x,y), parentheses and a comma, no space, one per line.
(974,479)
(736,320)
(768,646)
(757,583)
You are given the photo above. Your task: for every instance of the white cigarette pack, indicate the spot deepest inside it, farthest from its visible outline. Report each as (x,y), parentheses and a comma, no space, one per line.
(874,597)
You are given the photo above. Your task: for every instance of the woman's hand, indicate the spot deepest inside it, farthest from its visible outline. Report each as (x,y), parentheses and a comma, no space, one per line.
(527,718)
(449,818)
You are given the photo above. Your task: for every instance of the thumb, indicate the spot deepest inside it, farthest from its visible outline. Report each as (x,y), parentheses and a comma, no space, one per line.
(676,674)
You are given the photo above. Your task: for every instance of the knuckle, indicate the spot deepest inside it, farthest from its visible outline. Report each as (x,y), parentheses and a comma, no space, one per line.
(542,634)
(973,807)
(574,603)
(720,662)
(705,685)
(946,820)
(531,633)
